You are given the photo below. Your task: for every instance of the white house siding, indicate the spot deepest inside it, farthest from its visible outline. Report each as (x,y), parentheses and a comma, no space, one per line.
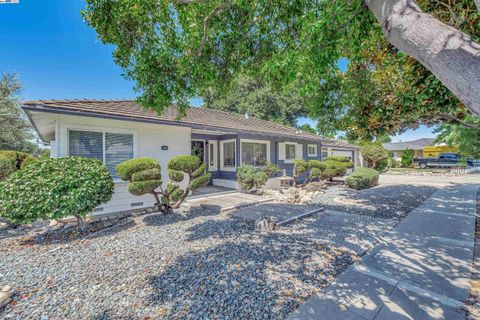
(148,140)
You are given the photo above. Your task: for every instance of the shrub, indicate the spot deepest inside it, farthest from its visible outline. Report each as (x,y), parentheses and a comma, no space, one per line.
(375,156)
(362,178)
(270,169)
(250,177)
(407,158)
(6,168)
(18,159)
(145,177)
(300,166)
(54,189)
(345,160)
(340,168)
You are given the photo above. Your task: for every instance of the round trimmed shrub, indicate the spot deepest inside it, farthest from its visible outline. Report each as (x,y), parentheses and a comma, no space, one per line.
(344,160)
(126,169)
(362,178)
(188,164)
(54,189)
(317,164)
(249,177)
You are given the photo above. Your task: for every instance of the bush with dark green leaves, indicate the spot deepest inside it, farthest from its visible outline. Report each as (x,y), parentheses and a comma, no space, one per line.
(6,168)
(348,162)
(407,158)
(250,177)
(362,178)
(145,177)
(18,159)
(54,189)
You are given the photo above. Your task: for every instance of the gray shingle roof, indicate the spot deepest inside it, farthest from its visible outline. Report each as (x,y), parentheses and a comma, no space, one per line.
(204,117)
(414,144)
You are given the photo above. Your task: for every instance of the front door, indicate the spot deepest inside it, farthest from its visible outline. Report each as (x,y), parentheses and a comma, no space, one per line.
(198,149)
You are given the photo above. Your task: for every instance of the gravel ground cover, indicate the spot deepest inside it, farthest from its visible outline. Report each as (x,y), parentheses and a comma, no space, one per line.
(200,266)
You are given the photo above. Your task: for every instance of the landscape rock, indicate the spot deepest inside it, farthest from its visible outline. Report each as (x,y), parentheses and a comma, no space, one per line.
(265,224)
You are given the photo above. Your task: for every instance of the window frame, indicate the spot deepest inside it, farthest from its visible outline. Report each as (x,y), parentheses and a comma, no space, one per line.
(290,160)
(316,150)
(266,142)
(103,130)
(222,143)
(213,146)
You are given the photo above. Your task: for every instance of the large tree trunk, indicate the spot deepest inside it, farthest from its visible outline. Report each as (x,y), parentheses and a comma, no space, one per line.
(448,53)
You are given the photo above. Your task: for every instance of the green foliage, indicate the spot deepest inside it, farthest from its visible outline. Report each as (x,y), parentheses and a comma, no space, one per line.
(407,158)
(186,164)
(270,169)
(18,159)
(199,171)
(175,175)
(362,178)
(126,169)
(466,139)
(308,128)
(198,182)
(176,195)
(16,133)
(315,173)
(139,188)
(340,168)
(250,177)
(317,164)
(54,189)
(148,174)
(178,50)
(375,156)
(6,167)
(299,166)
(258,99)
(345,160)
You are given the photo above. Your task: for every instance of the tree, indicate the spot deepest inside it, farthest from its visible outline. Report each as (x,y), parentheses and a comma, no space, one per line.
(257,99)
(407,158)
(55,189)
(375,155)
(308,128)
(465,138)
(15,130)
(144,177)
(174,50)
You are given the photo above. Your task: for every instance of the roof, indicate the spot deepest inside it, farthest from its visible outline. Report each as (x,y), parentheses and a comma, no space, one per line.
(196,117)
(414,144)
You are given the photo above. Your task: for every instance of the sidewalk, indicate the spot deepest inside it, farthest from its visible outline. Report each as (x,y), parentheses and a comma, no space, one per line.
(421,270)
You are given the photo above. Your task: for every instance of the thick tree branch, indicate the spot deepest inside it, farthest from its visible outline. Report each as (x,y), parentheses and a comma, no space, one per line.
(451,55)
(460,122)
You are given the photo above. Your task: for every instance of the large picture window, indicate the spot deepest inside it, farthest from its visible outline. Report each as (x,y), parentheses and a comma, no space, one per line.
(254,154)
(110,148)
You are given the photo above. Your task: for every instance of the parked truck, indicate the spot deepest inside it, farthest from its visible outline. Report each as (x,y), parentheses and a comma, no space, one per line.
(445,160)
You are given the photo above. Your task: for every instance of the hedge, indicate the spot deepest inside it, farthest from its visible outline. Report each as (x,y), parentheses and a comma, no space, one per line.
(54,189)
(362,178)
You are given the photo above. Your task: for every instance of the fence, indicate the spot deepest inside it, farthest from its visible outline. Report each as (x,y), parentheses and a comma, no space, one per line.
(466,171)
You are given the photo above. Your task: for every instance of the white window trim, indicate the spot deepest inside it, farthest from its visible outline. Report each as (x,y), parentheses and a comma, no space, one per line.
(222,168)
(103,130)
(267,142)
(214,145)
(316,150)
(290,160)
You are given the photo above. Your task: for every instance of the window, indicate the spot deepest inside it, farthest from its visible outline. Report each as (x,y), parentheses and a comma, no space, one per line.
(110,148)
(312,150)
(290,151)
(324,153)
(254,153)
(228,155)
(211,157)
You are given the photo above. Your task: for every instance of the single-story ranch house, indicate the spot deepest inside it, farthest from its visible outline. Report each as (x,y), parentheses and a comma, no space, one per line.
(117,130)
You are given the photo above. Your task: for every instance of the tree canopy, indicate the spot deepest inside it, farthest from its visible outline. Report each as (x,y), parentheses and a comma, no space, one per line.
(466,139)
(175,50)
(15,130)
(258,99)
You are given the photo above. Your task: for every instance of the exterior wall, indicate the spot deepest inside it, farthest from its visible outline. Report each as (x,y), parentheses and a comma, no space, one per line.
(148,140)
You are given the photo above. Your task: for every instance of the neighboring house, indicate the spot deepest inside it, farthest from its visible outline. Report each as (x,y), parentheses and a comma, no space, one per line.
(117,130)
(396,149)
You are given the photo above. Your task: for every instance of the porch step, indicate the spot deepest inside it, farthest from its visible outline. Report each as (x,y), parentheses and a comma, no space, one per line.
(232,184)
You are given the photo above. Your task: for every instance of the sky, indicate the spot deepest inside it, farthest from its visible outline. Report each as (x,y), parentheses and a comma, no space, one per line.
(57,56)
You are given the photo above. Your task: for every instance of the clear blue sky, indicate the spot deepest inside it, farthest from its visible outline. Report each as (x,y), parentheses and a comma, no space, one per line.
(56,55)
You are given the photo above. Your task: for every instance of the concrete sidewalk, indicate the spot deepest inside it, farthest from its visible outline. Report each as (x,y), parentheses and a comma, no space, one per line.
(420,270)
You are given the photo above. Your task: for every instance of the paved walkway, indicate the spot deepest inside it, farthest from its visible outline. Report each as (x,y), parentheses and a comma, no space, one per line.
(226,200)
(421,270)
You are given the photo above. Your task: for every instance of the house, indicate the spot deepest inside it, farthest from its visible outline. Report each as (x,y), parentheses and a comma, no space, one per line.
(396,149)
(117,130)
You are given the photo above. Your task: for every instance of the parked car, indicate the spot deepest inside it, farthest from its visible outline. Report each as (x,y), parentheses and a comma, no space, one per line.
(446,160)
